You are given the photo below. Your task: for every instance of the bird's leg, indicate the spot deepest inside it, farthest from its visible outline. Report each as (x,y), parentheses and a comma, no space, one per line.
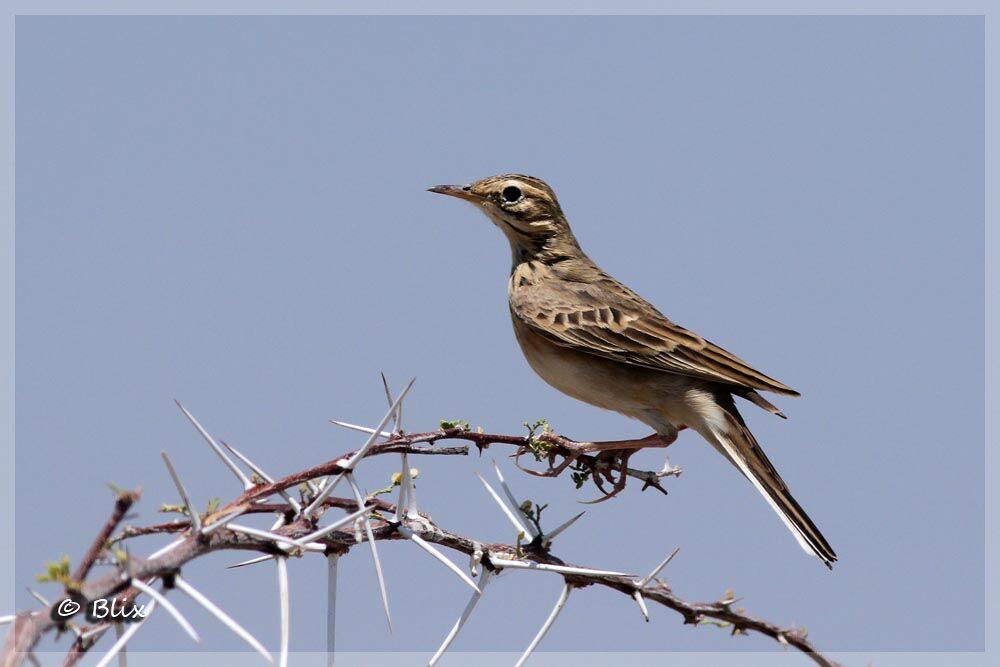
(654,440)
(615,448)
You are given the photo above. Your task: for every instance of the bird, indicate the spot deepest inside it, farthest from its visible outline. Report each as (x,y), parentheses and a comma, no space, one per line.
(594,339)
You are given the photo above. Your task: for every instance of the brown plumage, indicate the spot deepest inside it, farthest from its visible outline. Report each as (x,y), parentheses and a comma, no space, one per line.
(595,339)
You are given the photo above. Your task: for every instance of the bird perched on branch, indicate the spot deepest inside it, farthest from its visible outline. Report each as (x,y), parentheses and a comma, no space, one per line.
(593,338)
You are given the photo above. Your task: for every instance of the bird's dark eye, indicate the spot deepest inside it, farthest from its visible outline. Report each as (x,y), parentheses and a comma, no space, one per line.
(511,194)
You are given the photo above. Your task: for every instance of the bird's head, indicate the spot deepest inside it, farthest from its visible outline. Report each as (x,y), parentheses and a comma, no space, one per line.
(524,208)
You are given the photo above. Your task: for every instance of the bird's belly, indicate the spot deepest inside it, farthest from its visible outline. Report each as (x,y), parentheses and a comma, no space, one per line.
(643,394)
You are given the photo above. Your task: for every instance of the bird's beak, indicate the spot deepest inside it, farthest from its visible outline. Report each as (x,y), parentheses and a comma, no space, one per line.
(460,191)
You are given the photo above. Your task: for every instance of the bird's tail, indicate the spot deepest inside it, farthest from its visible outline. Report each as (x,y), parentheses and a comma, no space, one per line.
(733,439)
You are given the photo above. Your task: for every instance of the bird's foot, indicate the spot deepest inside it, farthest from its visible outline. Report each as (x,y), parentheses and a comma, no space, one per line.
(610,462)
(604,463)
(613,459)
(553,470)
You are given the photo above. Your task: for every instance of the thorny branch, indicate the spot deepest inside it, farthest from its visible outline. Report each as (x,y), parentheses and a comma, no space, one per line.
(387,521)
(553,445)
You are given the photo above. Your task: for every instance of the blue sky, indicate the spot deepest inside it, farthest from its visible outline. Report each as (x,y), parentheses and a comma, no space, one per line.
(232,212)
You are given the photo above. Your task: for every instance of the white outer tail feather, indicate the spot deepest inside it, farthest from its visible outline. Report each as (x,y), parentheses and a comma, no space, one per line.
(722,439)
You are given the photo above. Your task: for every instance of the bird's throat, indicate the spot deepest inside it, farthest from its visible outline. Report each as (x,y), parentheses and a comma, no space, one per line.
(544,249)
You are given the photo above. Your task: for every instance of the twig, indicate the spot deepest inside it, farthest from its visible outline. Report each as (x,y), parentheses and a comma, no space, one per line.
(123,502)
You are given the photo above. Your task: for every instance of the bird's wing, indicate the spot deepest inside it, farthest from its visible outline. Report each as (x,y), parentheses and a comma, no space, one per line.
(607,319)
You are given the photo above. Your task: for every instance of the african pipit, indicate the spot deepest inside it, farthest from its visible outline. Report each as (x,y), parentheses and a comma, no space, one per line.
(593,338)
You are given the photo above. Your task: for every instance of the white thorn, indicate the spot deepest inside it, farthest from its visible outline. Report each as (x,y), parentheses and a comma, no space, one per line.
(545,567)
(313,487)
(406,507)
(4,620)
(331,606)
(168,605)
(560,603)
(639,600)
(252,561)
(466,613)
(223,617)
(649,577)
(668,470)
(263,534)
(96,630)
(323,495)
(323,532)
(41,598)
(74,629)
(192,510)
(166,549)
(263,475)
(532,531)
(353,461)
(401,500)
(555,533)
(397,424)
(118,648)
(233,468)
(411,490)
(514,520)
(476,558)
(429,548)
(285,611)
(371,543)
(362,429)
(120,635)
(222,522)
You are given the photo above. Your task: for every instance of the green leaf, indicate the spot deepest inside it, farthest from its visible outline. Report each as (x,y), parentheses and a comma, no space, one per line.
(579,474)
(56,571)
(169,508)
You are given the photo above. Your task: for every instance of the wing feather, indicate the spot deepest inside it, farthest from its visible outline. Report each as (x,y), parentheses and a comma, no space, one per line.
(605,318)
